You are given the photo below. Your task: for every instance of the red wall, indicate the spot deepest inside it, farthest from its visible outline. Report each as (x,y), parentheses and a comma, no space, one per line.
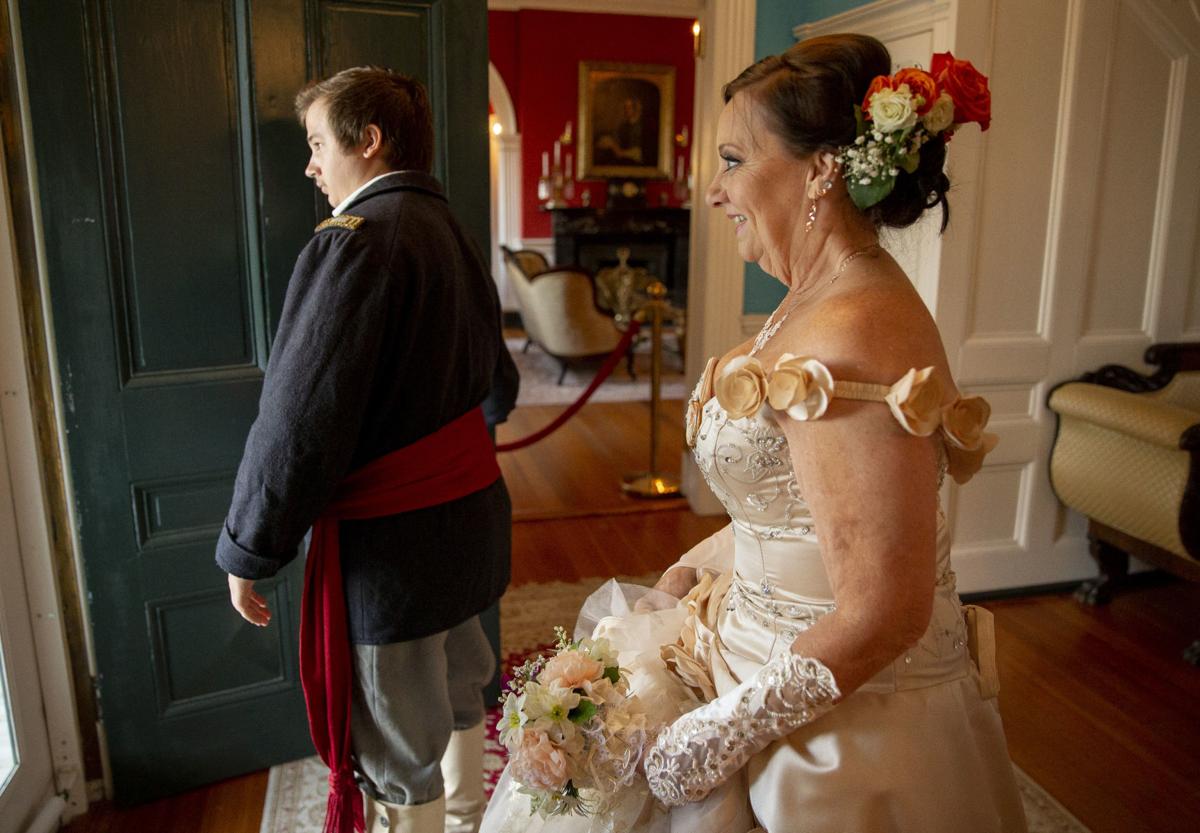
(537,53)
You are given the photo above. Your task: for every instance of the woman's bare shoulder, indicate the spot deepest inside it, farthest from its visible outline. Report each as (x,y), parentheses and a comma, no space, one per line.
(871,331)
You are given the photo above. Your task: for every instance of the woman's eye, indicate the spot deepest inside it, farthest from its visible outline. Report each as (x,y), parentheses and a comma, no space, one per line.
(731,162)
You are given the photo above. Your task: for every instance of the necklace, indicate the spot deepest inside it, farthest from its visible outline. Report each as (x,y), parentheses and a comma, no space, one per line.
(771,326)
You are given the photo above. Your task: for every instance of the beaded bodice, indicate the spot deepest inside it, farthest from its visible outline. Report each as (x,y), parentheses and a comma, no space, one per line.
(780,584)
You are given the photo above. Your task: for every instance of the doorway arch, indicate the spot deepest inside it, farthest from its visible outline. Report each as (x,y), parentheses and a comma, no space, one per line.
(505,153)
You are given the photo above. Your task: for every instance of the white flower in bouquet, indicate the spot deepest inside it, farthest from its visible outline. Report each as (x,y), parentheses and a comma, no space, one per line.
(514,717)
(548,709)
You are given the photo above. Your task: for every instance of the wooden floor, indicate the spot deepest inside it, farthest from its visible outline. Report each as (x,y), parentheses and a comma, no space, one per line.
(1098,706)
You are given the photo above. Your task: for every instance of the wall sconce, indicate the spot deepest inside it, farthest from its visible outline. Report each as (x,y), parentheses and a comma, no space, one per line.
(697,39)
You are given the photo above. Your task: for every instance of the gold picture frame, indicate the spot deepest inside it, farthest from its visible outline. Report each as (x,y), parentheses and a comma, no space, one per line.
(626,120)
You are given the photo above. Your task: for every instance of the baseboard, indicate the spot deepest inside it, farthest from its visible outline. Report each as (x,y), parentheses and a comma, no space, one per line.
(1012,592)
(1134,581)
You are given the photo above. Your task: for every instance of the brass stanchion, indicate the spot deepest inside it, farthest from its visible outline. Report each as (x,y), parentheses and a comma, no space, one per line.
(653,484)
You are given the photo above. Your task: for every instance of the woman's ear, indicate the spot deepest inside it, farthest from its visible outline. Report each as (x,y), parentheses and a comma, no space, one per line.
(821,174)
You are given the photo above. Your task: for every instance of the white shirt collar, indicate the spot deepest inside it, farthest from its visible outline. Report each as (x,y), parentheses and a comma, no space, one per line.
(344,204)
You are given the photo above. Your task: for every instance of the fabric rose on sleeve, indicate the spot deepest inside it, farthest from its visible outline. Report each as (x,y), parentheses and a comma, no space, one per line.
(967,86)
(963,421)
(742,388)
(916,402)
(801,386)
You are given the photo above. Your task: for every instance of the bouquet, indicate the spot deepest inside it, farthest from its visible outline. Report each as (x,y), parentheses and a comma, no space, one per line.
(902,112)
(573,733)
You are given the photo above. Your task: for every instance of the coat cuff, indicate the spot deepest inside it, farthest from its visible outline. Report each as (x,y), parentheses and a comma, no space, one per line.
(238,561)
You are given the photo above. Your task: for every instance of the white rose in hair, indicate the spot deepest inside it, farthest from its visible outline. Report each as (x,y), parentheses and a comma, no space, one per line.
(893,110)
(941,115)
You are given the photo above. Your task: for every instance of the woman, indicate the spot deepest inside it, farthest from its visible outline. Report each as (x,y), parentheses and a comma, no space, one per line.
(823,633)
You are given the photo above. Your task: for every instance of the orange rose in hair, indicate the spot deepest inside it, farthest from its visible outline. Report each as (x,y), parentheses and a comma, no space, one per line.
(967,86)
(920,83)
(881,82)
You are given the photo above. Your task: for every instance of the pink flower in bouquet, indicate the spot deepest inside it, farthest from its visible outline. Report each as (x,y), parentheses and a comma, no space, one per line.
(570,669)
(538,763)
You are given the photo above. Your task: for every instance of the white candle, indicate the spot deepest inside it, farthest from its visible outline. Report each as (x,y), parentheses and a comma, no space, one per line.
(679,169)
(545,164)
(557,153)
(570,166)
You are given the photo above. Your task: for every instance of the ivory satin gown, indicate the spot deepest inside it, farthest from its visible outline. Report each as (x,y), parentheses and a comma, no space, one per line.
(920,747)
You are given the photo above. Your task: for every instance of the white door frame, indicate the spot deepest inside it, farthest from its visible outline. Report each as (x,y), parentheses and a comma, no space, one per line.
(50,779)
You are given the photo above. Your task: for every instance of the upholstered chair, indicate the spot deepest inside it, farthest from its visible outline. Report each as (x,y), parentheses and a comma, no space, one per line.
(1127,455)
(559,312)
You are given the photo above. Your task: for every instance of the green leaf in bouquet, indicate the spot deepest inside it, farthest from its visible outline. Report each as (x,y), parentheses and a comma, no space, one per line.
(910,162)
(612,674)
(582,713)
(865,196)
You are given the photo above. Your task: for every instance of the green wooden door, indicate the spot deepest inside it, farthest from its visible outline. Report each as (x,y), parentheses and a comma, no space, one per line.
(170,175)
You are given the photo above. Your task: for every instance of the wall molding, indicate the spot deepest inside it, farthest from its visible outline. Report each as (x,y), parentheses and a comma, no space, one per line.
(648,8)
(884,19)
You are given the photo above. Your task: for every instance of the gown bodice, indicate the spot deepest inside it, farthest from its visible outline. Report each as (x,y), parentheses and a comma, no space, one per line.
(780,585)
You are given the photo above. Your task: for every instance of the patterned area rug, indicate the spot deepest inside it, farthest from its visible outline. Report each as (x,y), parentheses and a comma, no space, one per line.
(296,791)
(539,376)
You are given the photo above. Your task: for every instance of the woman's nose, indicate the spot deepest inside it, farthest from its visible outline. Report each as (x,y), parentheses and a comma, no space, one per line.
(714,195)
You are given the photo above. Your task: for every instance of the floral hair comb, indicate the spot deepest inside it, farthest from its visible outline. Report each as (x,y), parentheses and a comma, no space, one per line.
(903,111)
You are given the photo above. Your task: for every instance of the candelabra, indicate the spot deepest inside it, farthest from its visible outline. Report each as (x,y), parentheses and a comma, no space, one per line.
(556,185)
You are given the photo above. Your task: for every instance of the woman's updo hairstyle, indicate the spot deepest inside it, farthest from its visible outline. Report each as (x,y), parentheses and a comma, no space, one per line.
(808,95)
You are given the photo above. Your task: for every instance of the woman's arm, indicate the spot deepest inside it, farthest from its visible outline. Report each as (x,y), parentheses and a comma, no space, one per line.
(872,491)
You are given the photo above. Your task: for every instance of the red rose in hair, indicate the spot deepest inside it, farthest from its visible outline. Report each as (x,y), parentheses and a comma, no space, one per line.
(967,86)
(881,82)
(919,83)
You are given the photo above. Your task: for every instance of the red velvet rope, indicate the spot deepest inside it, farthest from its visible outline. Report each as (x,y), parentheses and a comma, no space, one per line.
(603,373)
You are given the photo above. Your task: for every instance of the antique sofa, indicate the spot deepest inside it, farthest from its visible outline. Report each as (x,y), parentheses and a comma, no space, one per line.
(558,309)
(1127,456)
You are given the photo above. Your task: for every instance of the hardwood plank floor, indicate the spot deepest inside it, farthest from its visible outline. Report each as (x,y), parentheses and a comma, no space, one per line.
(1098,706)
(578,469)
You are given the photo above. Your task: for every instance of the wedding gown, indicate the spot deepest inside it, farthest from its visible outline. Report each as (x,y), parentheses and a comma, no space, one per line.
(920,747)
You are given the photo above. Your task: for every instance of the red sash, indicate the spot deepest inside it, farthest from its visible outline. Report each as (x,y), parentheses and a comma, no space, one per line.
(454,461)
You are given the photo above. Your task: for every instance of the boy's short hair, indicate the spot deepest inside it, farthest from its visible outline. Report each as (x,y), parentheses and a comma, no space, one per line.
(397,104)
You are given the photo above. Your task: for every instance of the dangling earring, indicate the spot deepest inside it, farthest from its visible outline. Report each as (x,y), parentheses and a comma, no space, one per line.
(812,210)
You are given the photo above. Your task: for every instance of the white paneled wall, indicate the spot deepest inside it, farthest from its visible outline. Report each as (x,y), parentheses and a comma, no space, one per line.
(1073,239)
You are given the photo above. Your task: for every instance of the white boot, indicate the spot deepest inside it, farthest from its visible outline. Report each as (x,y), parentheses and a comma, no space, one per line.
(462,773)
(385,817)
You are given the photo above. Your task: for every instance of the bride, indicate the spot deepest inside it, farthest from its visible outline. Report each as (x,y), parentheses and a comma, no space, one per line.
(818,672)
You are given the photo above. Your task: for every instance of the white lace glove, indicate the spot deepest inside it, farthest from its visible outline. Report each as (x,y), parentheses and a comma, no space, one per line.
(702,749)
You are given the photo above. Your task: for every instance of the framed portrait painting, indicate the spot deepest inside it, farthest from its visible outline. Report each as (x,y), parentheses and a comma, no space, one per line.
(626,120)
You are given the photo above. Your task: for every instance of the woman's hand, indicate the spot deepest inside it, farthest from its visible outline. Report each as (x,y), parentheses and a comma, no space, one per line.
(678,581)
(252,607)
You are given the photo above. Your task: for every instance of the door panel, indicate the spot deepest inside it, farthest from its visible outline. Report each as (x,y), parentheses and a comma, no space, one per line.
(170,167)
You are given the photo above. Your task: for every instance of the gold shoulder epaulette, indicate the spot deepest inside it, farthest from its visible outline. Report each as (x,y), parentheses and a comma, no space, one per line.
(348,221)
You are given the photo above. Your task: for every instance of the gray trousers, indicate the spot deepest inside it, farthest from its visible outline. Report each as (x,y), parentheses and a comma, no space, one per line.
(408,697)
